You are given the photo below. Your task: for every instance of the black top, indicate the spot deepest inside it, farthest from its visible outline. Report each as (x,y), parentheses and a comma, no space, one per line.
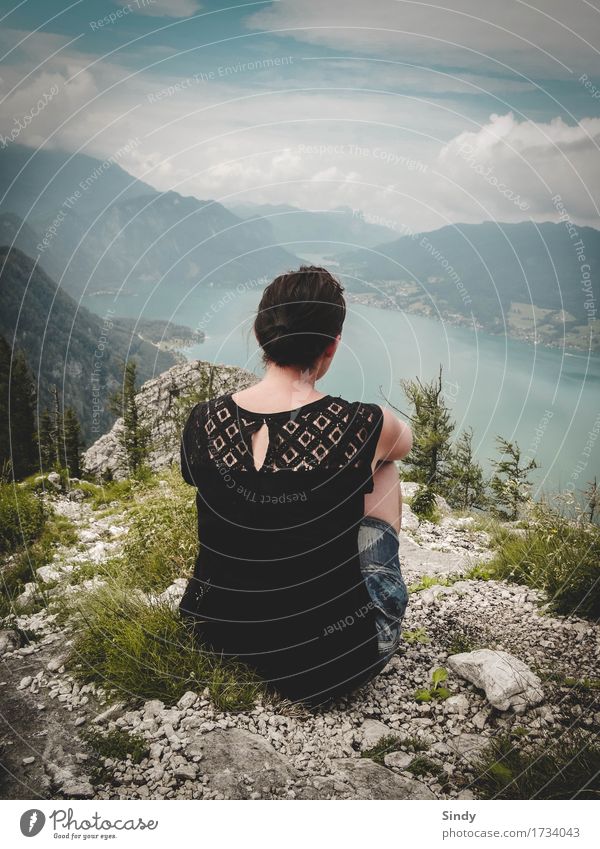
(277,581)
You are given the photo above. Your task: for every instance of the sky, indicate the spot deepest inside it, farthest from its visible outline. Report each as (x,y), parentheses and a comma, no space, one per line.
(418,114)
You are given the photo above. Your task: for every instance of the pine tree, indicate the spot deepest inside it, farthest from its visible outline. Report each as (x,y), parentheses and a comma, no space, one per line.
(466,488)
(432,429)
(21,413)
(510,483)
(72,443)
(592,499)
(46,447)
(5,357)
(56,429)
(134,436)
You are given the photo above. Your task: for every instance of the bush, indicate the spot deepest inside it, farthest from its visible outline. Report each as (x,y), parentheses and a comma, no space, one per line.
(140,650)
(116,744)
(21,517)
(556,554)
(423,504)
(565,768)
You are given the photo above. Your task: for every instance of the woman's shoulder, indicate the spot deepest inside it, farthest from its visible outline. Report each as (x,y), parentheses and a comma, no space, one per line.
(364,409)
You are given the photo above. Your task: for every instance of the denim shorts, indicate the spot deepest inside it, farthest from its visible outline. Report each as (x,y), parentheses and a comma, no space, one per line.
(380,566)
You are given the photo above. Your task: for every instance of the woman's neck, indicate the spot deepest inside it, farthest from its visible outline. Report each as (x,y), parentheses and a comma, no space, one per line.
(284,388)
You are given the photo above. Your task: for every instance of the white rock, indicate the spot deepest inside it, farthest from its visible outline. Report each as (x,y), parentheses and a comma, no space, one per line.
(506,680)
(371,732)
(398,760)
(457,704)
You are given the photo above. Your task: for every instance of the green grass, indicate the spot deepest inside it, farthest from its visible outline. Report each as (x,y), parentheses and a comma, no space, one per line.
(117,745)
(22,517)
(564,768)
(56,531)
(392,743)
(142,651)
(556,555)
(428,581)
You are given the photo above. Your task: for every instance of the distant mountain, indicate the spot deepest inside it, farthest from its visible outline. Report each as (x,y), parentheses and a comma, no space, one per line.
(493,271)
(316,231)
(68,346)
(37,183)
(120,234)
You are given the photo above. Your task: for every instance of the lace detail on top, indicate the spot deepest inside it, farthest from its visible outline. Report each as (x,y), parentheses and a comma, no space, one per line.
(329,433)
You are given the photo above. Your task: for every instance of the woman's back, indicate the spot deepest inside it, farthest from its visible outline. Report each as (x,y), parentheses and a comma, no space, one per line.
(277,580)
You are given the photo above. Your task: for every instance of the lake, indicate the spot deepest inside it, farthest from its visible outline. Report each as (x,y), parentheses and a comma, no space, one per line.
(546,399)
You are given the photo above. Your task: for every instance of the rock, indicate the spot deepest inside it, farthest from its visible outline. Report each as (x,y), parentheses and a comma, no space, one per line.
(410,521)
(186,771)
(9,640)
(55,663)
(468,747)
(30,593)
(110,713)
(367,780)
(173,594)
(457,704)
(24,682)
(156,401)
(49,573)
(78,788)
(54,480)
(77,495)
(398,760)
(506,680)
(371,732)
(431,593)
(187,700)
(28,761)
(232,755)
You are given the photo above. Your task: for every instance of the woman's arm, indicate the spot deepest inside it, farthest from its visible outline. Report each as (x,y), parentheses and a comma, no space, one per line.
(395,440)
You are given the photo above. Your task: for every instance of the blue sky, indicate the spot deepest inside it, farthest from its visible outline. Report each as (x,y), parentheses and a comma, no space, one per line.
(419,114)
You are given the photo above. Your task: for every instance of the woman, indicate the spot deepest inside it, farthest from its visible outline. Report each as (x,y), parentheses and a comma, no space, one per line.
(298,509)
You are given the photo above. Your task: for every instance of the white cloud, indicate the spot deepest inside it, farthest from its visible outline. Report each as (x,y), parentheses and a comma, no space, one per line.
(452,32)
(507,158)
(162,8)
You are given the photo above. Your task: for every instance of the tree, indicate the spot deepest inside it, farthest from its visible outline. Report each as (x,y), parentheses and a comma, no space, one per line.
(72,443)
(56,430)
(17,411)
(432,429)
(466,487)
(46,447)
(592,499)
(510,483)
(134,436)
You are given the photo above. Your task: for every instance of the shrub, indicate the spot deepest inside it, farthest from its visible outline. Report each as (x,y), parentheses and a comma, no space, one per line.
(21,517)
(116,744)
(144,650)
(423,504)
(565,768)
(556,554)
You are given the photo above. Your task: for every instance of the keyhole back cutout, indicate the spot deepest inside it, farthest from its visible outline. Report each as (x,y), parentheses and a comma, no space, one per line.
(260,446)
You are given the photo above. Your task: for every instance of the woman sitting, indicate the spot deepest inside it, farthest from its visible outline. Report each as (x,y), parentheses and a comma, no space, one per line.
(299,509)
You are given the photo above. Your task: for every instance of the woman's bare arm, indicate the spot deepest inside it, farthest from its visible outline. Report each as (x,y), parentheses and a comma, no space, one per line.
(395,440)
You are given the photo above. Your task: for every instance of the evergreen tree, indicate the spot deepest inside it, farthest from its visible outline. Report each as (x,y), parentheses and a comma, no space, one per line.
(72,443)
(510,483)
(592,499)
(134,436)
(56,429)
(432,429)
(466,487)
(5,357)
(20,416)
(46,447)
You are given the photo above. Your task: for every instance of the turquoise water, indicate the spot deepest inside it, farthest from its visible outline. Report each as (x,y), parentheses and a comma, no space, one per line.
(547,400)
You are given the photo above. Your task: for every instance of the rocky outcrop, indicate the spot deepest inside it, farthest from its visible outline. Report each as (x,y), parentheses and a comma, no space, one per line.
(164,403)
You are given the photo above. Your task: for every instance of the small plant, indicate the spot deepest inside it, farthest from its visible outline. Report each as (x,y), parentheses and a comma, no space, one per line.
(423,504)
(418,636)
(428,581)
(386,745)
(436,691)
(479,572)
(564,768)
(117,745)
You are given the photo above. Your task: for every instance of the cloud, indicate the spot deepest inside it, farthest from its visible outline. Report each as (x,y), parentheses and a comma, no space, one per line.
(550,39)
(162,8)
(508,159)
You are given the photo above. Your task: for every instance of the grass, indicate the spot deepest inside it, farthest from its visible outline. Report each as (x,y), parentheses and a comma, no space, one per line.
(22,517)
(564,768)
(139,650)
(422,766)
(428,581)
(557,555)
(56,530)
(117,745)
(392,743)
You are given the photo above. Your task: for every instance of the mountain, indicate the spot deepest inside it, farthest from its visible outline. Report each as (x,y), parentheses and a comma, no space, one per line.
(315,231)
(493,272)
(35,184)
(68,346)
(96,229)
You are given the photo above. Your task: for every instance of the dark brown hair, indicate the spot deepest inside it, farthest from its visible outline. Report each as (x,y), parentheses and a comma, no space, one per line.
(299,315)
